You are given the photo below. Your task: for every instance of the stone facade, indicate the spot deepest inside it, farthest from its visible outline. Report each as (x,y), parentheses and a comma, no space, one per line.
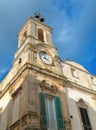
(80,92)
(37,70)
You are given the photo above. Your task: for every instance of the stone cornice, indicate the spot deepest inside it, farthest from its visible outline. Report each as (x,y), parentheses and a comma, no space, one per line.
(28,66)
(44,45)
(12,81)
(37,69)
(70,84)
(32,47)
(46,72)
(36,22)
(28,45)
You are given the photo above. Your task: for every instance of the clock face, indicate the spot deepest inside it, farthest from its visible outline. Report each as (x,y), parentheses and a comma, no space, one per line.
(45,57)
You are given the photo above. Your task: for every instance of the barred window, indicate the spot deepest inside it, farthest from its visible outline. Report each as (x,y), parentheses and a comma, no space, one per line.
(85,118)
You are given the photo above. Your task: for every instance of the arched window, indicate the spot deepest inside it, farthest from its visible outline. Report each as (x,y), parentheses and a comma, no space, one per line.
(24,36)
(40,35)
(84,115)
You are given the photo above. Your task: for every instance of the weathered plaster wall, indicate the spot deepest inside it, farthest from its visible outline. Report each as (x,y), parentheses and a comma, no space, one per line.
(73,97)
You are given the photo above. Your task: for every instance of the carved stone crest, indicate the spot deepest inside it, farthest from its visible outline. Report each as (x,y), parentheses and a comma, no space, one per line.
(44,85)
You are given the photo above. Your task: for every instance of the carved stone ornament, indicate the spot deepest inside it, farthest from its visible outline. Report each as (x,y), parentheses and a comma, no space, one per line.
(13,91)
(44,85)
(24,120)
(15,126)
(82,103)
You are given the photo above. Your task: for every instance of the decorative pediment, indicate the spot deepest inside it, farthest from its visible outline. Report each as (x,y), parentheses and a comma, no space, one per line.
(44,85)
(82,103)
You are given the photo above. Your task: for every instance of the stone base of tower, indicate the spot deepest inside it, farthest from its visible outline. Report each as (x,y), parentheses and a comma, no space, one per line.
(30,121)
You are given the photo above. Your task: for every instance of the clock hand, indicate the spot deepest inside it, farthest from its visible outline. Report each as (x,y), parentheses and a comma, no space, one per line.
(45,58)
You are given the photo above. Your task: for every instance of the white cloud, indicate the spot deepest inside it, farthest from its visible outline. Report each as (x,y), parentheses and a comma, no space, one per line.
(3,71)
(74,33)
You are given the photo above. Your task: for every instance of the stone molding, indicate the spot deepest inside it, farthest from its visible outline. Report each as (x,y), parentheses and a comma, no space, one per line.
(24,47)
(28,120)
(73,85)
(14,91)
(28,66)
(35,22)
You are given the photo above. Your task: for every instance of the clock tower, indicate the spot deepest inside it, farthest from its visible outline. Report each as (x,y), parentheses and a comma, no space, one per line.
(35,85)
(36,47)
(36,95)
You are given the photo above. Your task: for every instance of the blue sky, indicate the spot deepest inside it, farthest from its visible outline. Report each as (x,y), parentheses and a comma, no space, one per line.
(73,23)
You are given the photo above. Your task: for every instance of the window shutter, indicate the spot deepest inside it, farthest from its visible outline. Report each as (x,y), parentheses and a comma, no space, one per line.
(60,121)
(40,35)
(43,120)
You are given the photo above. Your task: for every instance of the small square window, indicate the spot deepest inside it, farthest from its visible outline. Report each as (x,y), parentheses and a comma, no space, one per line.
(93,80)
(74,73)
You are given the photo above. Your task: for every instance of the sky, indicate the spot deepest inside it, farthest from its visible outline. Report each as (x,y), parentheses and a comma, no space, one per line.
(73,23)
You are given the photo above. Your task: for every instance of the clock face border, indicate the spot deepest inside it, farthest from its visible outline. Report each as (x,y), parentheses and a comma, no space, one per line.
(45,57)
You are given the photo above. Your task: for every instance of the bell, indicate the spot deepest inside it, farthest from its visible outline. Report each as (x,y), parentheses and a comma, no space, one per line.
(42,19)
(37,15)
